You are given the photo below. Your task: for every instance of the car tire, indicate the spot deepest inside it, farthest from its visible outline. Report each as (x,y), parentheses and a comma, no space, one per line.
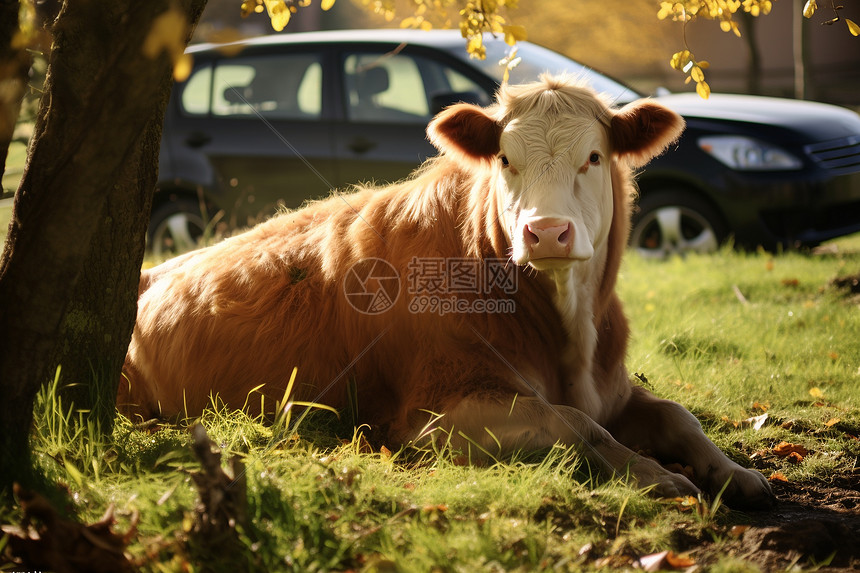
(675,222)
(175,227)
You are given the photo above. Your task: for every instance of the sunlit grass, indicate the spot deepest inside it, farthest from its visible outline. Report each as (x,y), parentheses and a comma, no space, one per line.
(730,336)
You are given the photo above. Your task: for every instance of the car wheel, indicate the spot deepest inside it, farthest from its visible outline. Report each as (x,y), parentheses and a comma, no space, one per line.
(675,222)
(175,227)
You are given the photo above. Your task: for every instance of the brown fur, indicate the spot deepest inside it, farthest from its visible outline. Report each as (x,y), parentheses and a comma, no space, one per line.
(234,319)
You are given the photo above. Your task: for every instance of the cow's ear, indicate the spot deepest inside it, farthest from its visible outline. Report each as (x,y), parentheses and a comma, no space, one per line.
(466,129)
(642,130)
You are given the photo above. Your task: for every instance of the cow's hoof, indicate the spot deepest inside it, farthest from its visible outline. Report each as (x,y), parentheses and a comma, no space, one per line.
(662,482)
(747,489)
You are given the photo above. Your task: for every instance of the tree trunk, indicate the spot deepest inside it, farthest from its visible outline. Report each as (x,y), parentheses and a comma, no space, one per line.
(68,276)
(754,69)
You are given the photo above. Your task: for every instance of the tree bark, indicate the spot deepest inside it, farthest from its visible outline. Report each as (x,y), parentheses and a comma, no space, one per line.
(754,68)
(69,272)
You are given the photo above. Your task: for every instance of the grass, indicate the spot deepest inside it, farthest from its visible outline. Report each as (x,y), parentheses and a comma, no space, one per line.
(731,336)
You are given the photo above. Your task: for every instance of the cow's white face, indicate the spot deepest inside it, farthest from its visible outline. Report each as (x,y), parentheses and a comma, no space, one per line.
(555,189)
(552,145)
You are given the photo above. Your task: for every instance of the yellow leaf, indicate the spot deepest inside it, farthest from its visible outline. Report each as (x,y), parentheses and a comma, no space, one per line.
(475,47)
(697,74)
(704,64)
(514,34)
(680,60)
(182,67)
(279,14)
(809,8)
(853,27)
(832,422)
(816,393)
(666,10)
(703,89)
(327,4)
(167,34)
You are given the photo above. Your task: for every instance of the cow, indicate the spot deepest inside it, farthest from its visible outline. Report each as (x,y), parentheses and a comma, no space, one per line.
(474,300)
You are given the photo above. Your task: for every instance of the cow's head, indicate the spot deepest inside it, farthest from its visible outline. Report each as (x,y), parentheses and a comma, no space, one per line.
(551,145)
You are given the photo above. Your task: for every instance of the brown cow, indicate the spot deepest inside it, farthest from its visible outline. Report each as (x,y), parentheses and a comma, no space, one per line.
(481,289)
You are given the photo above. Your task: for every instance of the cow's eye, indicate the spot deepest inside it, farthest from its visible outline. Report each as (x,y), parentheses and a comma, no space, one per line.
(594,158)
(504,160)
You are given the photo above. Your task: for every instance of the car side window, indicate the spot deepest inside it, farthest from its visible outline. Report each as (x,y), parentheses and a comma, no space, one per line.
(197,93)
(402,88)
(285,86)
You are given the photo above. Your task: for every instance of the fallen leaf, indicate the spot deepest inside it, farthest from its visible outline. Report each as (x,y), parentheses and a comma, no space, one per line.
(832,422)
(738,530)
(778,476)
(680,561)
(653,562)
(756,422)
(784,449)
(760,406)
(386,453)
(665,560)
(816,392)
(794,458)
(790,282)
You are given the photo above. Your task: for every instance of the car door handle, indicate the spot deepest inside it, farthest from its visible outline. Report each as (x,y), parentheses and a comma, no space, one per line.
(361,145)
(197,139)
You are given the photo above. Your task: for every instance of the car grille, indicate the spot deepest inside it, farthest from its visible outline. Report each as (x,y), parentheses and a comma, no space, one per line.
(839,155)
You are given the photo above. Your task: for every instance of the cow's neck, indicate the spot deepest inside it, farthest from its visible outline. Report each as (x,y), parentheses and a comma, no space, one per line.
(574,297)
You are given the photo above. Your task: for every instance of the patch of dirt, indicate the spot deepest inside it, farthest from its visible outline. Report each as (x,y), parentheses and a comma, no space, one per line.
(810,523)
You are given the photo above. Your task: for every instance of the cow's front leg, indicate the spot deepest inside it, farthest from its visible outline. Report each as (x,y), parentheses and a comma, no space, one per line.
(668,431)
(528,423)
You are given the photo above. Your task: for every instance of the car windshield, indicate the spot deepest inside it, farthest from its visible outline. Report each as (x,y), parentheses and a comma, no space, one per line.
(536,60)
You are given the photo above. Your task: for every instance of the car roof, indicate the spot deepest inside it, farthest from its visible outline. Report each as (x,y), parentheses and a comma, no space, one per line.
(432,38)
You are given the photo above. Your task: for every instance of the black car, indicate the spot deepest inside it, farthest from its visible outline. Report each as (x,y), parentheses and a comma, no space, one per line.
(278,120)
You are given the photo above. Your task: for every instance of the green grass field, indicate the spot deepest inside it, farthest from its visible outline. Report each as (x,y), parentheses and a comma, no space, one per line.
(731,336)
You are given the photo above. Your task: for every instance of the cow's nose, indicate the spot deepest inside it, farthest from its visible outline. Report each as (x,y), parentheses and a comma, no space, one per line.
(548,237)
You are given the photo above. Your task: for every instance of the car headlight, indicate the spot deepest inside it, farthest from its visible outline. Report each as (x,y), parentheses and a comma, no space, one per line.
(748,154)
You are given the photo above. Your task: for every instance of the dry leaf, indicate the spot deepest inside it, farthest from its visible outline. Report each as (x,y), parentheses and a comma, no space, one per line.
(832,422)
(756,422)
(794,458)
(816,392)
(738,530)
(386,453)
(679,561)
(784,449)
(777,476)
(665,560)
(790,282)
